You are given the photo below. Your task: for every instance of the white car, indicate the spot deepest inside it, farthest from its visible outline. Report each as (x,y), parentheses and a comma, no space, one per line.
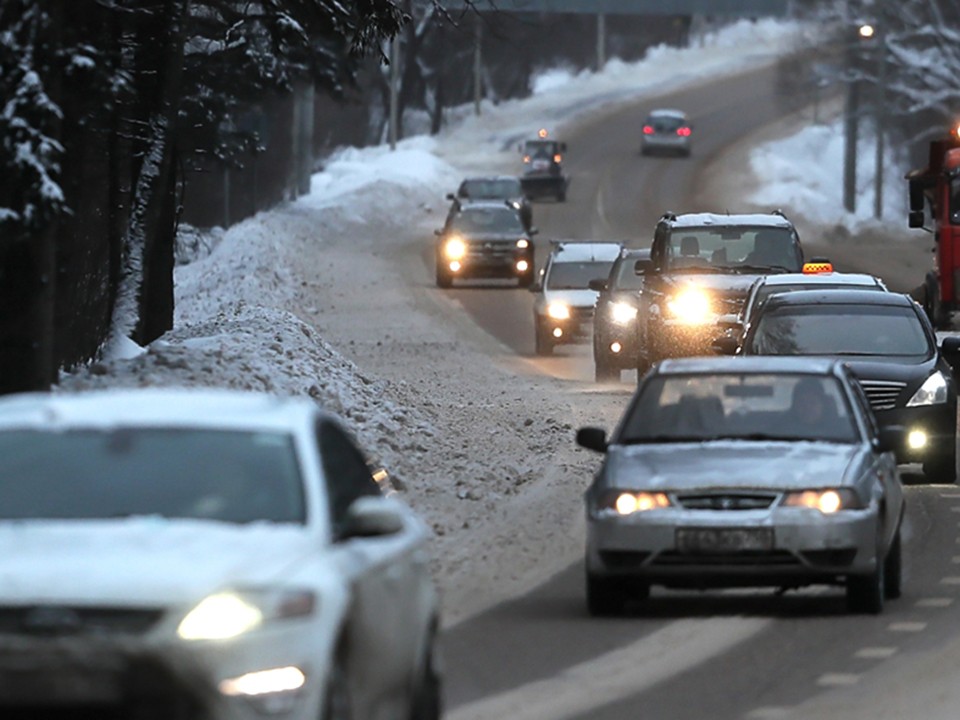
(206,554)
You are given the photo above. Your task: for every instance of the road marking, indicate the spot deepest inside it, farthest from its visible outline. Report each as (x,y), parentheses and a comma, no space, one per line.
(935,602)
(838,679)
(950,496)
(769,713)
(616,675)
(875,653)
(950,580)
(955,559)
(906,626)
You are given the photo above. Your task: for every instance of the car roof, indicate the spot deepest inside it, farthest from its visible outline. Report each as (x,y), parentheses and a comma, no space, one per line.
(839,297)
(727,220)
(581,251)
(489,178)
(831,278)
(157,407)
(759,364)
(484,204)
(667,112)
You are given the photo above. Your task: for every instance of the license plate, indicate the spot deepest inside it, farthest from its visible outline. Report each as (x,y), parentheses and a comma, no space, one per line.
(722,540)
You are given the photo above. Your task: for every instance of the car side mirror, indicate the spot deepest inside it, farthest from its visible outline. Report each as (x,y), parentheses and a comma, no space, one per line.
(451,196)
(950,350)
(643,267)
(730,322)
(597,285)
(890,438)
(534,230)
(438,233)
(372,517)
(592,438)
(725,345)
(915,219)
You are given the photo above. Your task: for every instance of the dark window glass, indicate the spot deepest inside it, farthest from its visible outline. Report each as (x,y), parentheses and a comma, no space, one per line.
(505,188)
(841,330)
(693,408)
(345,472)
(666,123)
(231,476)
(732,248)
(575,275)
(503,221)
(626,276)
(767,290)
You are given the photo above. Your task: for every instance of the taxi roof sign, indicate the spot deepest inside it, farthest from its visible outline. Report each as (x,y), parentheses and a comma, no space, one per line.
(817,267)
(542,132)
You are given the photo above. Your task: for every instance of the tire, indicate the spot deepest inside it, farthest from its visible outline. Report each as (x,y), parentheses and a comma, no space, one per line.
(893,570)
(865,593)
(605,597)
(427,702)
(604,371)
(562,196)
(525,280)
(444,279)
(942,469)
(542,340)
(336,702)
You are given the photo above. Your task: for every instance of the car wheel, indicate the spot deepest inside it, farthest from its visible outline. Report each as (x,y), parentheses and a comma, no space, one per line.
(865,593)
(542,340)
(336,703)
(604,371)
(893,572)
(525,280)
(942,470)
(444,279)
(605,597)
(427,703)
(562,196)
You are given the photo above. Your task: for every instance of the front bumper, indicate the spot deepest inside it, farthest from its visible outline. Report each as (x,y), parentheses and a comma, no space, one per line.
(806,547)
(539,185)
(674,339)
(937,422)
(493,262)
(610,334)
(574,329)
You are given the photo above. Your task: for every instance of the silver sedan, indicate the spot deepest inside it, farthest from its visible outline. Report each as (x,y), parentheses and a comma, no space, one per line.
(744,472)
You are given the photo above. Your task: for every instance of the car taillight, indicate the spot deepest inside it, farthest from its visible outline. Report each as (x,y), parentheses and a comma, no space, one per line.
(557,158)
(683,132)
(526,158)
(648,130)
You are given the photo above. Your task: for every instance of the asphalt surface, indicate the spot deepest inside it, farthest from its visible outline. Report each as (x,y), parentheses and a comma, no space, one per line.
(685,655)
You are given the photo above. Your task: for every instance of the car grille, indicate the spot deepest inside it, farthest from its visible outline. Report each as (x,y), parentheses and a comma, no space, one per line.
(67,620)
(726,502)
(882,394)
(582,314)
(744,558)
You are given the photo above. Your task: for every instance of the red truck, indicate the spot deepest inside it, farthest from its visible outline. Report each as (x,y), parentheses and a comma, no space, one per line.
(938,185)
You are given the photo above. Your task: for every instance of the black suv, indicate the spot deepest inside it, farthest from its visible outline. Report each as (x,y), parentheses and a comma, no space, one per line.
(484,239)
(615,343)
(505,188)
(701,268)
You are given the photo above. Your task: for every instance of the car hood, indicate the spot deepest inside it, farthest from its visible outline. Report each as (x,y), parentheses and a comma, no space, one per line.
(727,464)
(141,561)
(573,298)
(493,237)
(732,283)
(904,369)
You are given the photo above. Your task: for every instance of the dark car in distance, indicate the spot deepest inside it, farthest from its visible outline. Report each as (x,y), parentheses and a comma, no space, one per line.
(505,188)
(615,341)
(890,347)
(543,168)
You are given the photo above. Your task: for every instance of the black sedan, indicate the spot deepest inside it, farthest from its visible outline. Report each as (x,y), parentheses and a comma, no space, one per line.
(744,472)
(888,343)
(615,339)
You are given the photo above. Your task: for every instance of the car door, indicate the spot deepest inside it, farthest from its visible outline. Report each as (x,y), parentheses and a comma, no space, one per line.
(386,575)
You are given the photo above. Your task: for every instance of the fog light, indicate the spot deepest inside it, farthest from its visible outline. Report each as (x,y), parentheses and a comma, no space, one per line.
(917,440)
(522,266)
(264,682)
(616,347)
(455,266)
(557,332)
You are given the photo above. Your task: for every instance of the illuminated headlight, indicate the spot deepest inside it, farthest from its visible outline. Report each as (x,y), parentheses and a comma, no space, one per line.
(264,682)
(629,503)
(826,501)
(227,615)
(623,313)
(522,266)
(917,440)
(558,311)
(516,205)
(455,249)
(523,243)
(932,392)
(691,306)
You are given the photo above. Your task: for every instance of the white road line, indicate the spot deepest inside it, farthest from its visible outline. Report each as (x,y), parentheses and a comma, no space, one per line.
(955,559)
(838,679)
(950,496)
(906,626)
(934,602)
(955,508)
(950,580)
(769,713)
(875,653)
(619,674)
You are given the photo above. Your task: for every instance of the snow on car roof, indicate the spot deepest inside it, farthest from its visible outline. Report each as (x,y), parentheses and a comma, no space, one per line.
(580,251)
(183,407)
(723,220)
(833,278)
(667,111)
(749,364)
(839,297)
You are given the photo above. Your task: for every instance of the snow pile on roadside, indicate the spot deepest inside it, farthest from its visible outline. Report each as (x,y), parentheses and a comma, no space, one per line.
(806,169)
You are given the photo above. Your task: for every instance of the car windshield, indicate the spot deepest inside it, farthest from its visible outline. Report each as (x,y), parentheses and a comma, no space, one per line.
(841,330)
(540,148)
(505,188)
(626,276)
(665,123)
(501,221)
(229,476)
(750,407)
(575,275)
(737,247)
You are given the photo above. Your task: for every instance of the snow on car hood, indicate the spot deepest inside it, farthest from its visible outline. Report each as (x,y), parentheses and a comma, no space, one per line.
(732,282)
(725,464)
(141,561)
(573,298)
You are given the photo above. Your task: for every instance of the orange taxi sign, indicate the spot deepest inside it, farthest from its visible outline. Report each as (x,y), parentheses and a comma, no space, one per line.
(817,268)
(542,132)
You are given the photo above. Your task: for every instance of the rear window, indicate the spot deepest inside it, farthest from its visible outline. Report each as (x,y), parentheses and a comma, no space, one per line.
(665,123)
(488,220)
(575,275)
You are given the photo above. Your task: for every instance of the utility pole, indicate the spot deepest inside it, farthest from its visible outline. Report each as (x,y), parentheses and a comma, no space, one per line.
(850,135)
(601,41)
(477,63)
(394,90)
(879,123)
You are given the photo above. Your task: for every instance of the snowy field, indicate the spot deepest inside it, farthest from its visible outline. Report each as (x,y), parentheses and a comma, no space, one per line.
(330,297)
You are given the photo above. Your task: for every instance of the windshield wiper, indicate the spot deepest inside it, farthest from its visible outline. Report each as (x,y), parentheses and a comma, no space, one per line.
(759,268)
(695,269)
(654,439)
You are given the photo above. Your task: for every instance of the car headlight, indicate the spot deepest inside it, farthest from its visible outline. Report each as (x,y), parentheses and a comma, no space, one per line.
(629,503)
(692,306)
(226,615)
(558,311)
(455,249)
(827,501)
(932,392)
(523,243)
(623,313)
